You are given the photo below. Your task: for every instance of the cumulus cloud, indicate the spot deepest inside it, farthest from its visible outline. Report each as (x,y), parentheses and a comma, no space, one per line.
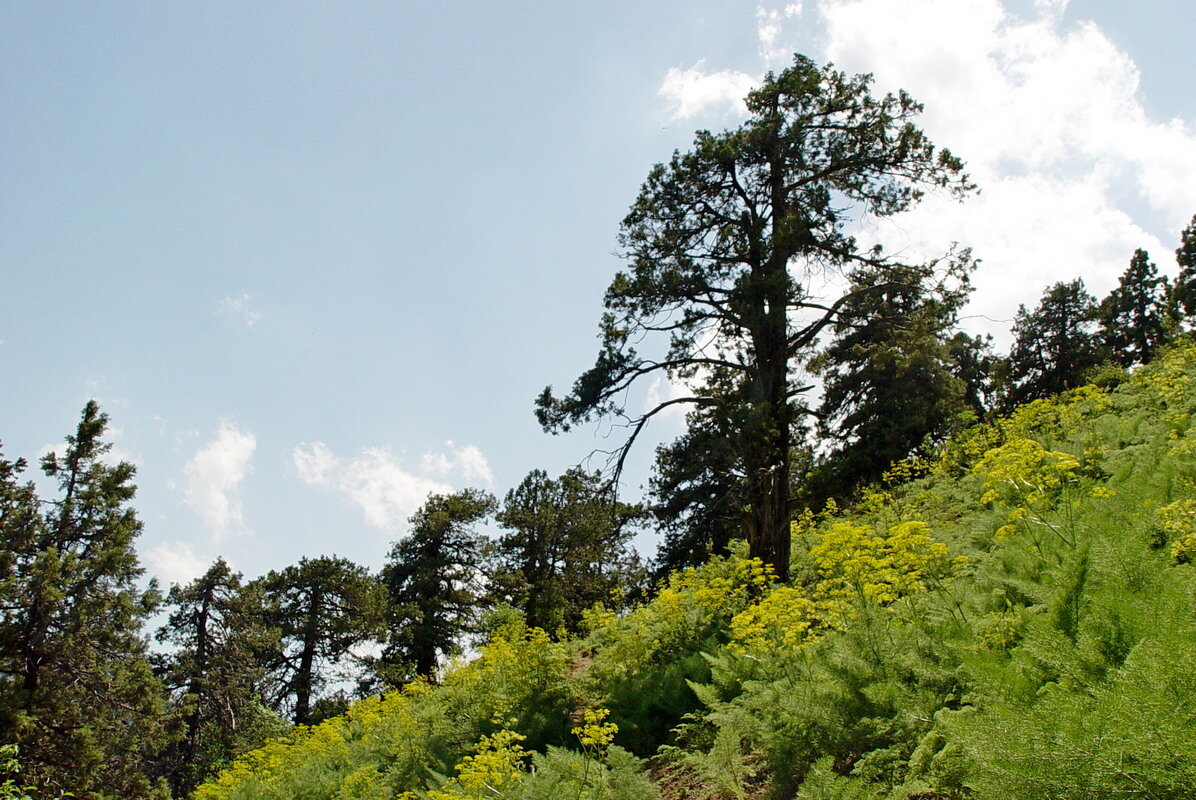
(239,309)
(770,28)
(213,477)
(175,562)
(379,483)
(467,462)
(692,91)
(1074,174)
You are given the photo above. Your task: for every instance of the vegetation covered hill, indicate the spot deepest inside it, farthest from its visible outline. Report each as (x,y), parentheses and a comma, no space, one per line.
(1012,618)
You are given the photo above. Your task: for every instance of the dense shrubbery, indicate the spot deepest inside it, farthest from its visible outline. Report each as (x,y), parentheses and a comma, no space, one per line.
(1012,618)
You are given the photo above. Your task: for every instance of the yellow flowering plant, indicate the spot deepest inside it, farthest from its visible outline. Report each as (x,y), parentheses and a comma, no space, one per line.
(856,562)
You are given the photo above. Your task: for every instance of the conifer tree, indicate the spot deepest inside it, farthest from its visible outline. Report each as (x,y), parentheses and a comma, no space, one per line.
(1133,318)
(698,492)
(1054,346)
(975,365)
(77,693)
(215,673)
(565,548)
(433,581)
(324,609)
(1183,294)
(728,246)
(889,373)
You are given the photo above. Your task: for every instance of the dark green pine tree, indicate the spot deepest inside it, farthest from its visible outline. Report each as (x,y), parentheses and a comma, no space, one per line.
(1133,318)
(433,581)
(1054,347)
(215,674)
(698,492)
(326,610)
(975,365)
(77,693)
(698,488)
(1183,294)
(566,548)
(729,247)
(889,374)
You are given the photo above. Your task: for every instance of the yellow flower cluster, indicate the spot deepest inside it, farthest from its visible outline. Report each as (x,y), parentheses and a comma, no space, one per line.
(857,562)
(1169,378)
(387,725)
(498,763)
(512,668)
(785,620)
(684,612)
(1176,523)
(1044,419)
(595,733)
(1026,477)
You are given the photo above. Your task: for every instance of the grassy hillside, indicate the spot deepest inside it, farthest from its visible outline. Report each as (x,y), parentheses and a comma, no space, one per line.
(1014,619)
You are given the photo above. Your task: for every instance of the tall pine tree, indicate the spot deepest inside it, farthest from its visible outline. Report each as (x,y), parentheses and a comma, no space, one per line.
(433,580)
(729,246)
(326,610)
(1133,318)
(77,693)
(566,547)
(1054,346)
(889,373)
(215,673)
(1183,294)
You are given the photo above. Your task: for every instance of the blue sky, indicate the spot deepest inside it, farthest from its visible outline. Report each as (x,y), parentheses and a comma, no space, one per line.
(316,260)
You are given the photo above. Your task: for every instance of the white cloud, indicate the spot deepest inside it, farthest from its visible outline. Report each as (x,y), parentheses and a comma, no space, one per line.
(665,388)
(468,462)
(176,562)
(770,28)
(1072,170)
(693,91)
(213,477)
(1074,174)
(378,482)
(239,309)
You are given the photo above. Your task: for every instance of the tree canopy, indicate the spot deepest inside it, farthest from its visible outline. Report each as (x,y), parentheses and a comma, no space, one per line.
(216,672)
(323,608)
(729,245)
(76,691)
(1054,346)
(432,580)
(1133,317)
(889,371)
(565,547)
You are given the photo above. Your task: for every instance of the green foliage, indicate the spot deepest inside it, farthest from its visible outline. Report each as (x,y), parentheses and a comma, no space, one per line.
(565,548)
(1006,619)
(1134,316)
(1183,293)
(720,242)
(1054,347)
(76,690)
(1131,736)
(10,770)
(645,660)
(322,608)
(698,491)
(1022,671)
(515,691)
(432,581)
(215,674)
(889,372)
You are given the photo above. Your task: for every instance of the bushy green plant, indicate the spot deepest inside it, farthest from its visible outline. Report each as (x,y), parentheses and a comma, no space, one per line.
(1007,619)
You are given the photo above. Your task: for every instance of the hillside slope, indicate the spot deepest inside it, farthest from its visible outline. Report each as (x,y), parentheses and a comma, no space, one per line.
(1014,619)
